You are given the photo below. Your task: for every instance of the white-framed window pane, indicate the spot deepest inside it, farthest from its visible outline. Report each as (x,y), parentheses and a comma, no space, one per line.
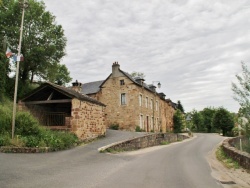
(123,98)
(146,102)
(140,100)
(141,122)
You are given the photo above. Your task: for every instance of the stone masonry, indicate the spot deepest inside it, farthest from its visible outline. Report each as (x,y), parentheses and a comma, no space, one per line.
(87,119)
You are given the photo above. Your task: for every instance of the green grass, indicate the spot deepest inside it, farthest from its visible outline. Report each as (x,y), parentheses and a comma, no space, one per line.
(164,143)
(226,160)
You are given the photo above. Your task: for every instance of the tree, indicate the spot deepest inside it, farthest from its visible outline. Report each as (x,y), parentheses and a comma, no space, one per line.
(242,95)
(223,120)
(197,120)
(60,76)
(178,121)
(43,43)
(242,91)
(180,107)
(138,74)
(207,115)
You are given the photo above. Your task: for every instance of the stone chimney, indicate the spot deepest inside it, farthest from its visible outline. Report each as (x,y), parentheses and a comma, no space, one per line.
(115,69)
(77,86)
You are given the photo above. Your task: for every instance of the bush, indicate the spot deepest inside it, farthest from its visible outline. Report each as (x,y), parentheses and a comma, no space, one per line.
(114,126)
(5,119)
(4,140)
(26,124)
(138,129)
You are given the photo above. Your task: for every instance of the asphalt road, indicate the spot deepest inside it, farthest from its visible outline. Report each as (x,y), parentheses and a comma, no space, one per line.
(180,165)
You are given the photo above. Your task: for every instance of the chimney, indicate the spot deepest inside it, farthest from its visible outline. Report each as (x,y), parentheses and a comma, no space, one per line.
(115,69)
(77,86)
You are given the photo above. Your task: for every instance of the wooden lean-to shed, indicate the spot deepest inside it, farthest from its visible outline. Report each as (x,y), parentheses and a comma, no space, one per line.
(61,108)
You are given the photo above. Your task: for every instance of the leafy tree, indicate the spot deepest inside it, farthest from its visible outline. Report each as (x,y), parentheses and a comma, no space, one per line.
(60,76)
(197,120)
(223,120)
(207,115)
(180,107)
(242,94)
(43,43)
(138,74)
(178,121)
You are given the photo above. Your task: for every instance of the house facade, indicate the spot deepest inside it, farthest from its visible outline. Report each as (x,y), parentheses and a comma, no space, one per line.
(61,108)
(131,103)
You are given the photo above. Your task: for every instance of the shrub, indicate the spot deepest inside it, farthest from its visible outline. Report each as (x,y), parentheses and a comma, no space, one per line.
(5,119)
(138,129)
(114,126)
(4,140)
(26,124)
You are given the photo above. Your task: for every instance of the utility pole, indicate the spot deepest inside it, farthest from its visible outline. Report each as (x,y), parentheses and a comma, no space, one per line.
(23,6)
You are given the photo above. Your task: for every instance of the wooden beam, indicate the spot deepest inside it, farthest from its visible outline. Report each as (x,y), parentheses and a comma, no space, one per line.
(49,101)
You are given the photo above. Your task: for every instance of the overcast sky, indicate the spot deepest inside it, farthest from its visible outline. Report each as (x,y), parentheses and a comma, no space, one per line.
(193,47)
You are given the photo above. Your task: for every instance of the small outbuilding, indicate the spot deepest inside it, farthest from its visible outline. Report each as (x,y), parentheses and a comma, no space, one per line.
(61,108)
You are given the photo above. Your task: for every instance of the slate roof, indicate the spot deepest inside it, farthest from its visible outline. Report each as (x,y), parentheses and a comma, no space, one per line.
(66,91)
(91,87)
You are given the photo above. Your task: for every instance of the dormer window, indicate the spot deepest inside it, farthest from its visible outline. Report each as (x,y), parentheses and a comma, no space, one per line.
(122,82)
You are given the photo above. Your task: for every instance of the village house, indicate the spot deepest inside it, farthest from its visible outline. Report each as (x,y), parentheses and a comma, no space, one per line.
(130,102)
(61,108)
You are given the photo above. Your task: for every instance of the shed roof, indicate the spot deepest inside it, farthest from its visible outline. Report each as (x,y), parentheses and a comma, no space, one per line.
(65,91)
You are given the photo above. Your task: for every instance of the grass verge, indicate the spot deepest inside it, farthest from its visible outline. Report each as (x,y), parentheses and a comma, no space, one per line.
(226,160)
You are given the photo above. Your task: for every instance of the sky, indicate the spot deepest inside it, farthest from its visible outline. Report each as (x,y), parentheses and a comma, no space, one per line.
(194,48)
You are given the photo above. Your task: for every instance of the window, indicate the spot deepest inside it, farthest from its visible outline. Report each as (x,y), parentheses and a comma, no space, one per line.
(140,99)
(151,103)
(141,122)
(122,82)
(146,102)
(152,123)
(123,98)
(156,106)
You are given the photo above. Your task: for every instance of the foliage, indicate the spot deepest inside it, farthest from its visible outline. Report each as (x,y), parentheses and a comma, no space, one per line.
(242,95)
(114,126)
(30,134)
(138,74)
(43,45)
(180,107)
(227,161)
(197,120)
(223,120)
(138,129)
(178,121)
(207,116)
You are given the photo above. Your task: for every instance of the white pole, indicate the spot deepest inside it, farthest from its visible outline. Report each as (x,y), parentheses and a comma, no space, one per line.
(17,72)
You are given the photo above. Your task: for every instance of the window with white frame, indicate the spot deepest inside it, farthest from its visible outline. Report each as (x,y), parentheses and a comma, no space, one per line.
(152,123)
(146,102)
(123,98)
(140,99)
(151,103)
(141,122)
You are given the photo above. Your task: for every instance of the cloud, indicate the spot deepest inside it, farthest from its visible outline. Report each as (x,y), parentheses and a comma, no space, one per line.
(193,47)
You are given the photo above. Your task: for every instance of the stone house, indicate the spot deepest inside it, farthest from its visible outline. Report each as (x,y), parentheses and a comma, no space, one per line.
(61,108)
(130,102)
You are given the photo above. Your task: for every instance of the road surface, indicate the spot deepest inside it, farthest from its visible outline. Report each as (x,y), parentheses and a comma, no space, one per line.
(176,165)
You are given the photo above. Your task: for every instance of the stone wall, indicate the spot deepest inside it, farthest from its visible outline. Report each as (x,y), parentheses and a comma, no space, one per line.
(145,141)
(243,158)
(87,119)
